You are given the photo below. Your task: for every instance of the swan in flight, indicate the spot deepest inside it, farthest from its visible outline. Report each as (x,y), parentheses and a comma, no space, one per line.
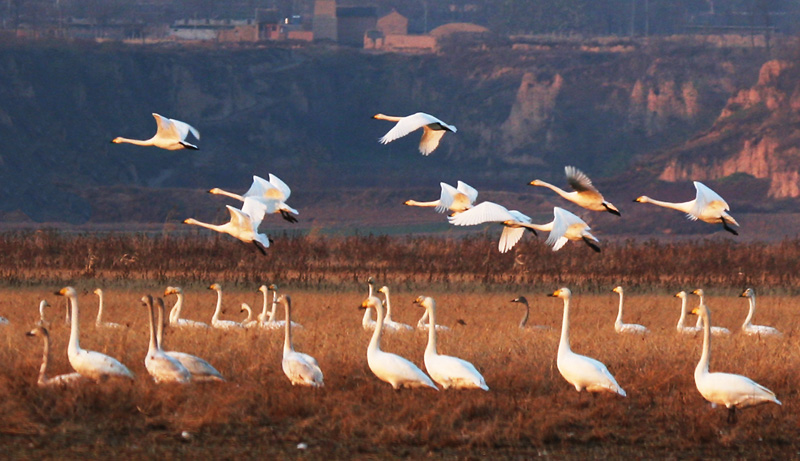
(248,322)
(620,327)
(716,331)
(171,135)
(200,370)
(395,370)
(432,129)
(300,368)
(215,320)
(524,322)
(388,323)
(99,323)
(273,193)
(163,368)
(725,388)
(42,321)
(584,193)
(681,327)
(447,371)
(44,381)
(91,364)
(453,199)
(747,327)
(514,223)
(581,371)
(707,206)
(242,225)
(175,313)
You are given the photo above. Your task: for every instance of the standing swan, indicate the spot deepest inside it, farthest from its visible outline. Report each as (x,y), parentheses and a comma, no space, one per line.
(242,225)
(620,327)
(432,129)
(273,193)
(170,135)
(584,193)
(681,327)
(716,331)
(200,370)
(300,368)
(44,381)
(99,321)
(747,327)
(163,368)
(707,206)
(446,370)
(388,323)
(581,371)
(395,370)
(91,364)
(725,388)
(215,320)
(175,313)
(453,199)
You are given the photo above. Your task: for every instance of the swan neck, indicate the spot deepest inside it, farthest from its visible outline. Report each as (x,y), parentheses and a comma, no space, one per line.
(388,307)
(555,189)
(45,359)
(619,312)
(74,328)
(705,358)
(228,194)
(431,348)
(287,338)
(524,320)
(138,142)
(752,312)
(274,306)
(175,312)
(218,309)
(433,203)
(686,207)
(375,342)
(99,319)
(213,227)
(682,318)
(563,344)
(160,329)
(390,118)
(153,342)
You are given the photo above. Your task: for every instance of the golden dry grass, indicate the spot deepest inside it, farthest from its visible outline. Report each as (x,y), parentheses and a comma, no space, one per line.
(530,410)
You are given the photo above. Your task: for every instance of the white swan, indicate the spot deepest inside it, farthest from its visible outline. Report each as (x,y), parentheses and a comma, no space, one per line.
(215,320)
(565,227)
(42,320)
(99,323)
(581,371)
(447,371)
(248,321)
(91,364)
(388,367)
(300,368)
(453,199)
(388,323)
(59,380)
(170,135)
(432,129)
(200,370)
(267,320)
(524,322)
(747,327)
(681,327)
(163,368)
(707,206)
(630,328)
(273,193)
(584,193)
(514,223)
(241,225)
(175,313)
(366,321)
(733,391)
(716,331)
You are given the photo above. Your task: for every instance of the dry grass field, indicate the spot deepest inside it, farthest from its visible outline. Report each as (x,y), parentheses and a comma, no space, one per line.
(530,410)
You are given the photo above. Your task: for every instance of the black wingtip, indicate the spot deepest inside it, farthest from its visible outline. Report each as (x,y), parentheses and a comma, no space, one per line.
(591,244)
(287,216)
(260,247)
(729,228)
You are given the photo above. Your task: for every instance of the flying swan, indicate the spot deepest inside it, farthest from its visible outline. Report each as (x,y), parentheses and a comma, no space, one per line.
(175,313)
(432,129)
(707,206)
(514,223)
(243,224)
(171,135)
(300,368)
(747,327)
(163,368)
(453,199)
(44,381)
(99,323)
(630,328)
(584,193)
(200,370)
(273,193)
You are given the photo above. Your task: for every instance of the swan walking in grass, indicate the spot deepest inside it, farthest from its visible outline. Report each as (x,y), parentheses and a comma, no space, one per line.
(454,199)
(524,322)
(388,323)
(91,364)
(44,380)
(300,368)
(584,193)
(273,193)
(215,320)
(99,323)
(388,367)
(733,391)
(627,328)
(243,224)
(432,129)
(581,371)
(170,135)
(248,321)
(716,331)
(175,313)
(707,206)
(447,371)
(681,327)
(163,368)
(200,370)
(747,327)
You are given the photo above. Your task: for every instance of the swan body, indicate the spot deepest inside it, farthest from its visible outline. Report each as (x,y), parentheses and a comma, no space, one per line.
(301,369)
(514,223)
(755,330)
(707,206)
(175,313)
(99,321)
(215,320)
(584,193)
(423,323)
(524,322)
(91,364)
(454,199)
(163,368)
(388,323)
(273,194)
(44,380)
(432,129)
(681,327)
(199,369)
(626,328)
(241,225)
(248,322)
(388,367)
(716,331)
(447,371)
(581,371)
(170,135)
(733,391)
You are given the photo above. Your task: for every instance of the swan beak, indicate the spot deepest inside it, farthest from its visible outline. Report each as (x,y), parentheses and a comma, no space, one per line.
(554,294)
(418,300)
(61,292)
(696,292)
(676,295)
(696,311)
(638,199)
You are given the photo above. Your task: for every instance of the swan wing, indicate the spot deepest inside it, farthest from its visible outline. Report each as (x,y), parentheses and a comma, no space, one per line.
(280,187)
(301,371)
(408,124)
(450,371)
(578,180)
(164,368)
(632,328)
(733,390)
(64,380)
(255,210)
(165,129)
(183,129)
(509,238)
(707,202)
(562,220)
(469,191)
(761,330)
(482,213)
(197,367)
(430,140)
(96,365)
(587,373)
(397,370)
(447,198)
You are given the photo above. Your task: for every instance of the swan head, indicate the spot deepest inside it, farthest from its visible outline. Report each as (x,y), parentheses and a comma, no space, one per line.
(379,117)
(384,289)
(215,191)
(563,293)
(748,293)
(642,199)
(371,302)
(272,287)
(98,291)
(147,300)
(116,140)
(215,287)
(680,294)
(263,288)
(702,309)
(371,280)
(535,182)
(245,307)
(521,299)
(172,291)
(68,292)
(285,299)
(38,331)
(698,292)
(617,289)
(42,304)
(425,301)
